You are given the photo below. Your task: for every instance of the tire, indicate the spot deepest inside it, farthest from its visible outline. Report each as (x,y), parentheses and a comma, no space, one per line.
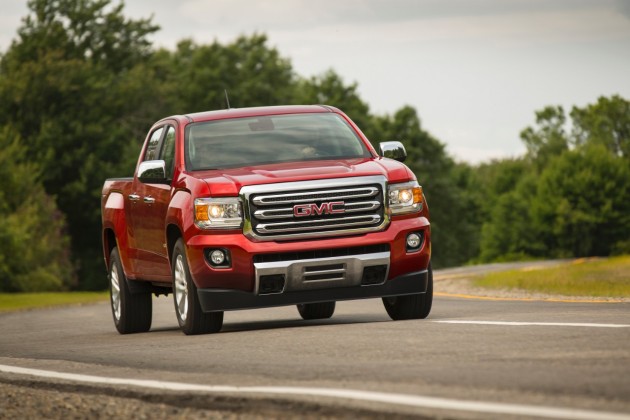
(411,306)
(132,313)
(191,318)
(320,310)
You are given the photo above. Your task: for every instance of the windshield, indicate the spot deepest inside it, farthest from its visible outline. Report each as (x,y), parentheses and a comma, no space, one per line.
(270,139)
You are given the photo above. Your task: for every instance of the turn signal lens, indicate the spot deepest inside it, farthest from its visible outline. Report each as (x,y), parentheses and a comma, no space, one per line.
(201,213)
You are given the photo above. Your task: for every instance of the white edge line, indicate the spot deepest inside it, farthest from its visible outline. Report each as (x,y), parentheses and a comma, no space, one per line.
(544,324)
(388,398)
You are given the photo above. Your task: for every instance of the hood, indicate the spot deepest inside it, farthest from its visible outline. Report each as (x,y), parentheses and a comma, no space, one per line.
(228,182)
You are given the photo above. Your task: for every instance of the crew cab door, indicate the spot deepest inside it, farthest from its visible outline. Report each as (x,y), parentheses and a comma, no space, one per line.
(149,211)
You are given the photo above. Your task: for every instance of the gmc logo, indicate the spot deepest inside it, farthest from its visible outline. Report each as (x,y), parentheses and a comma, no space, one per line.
(313,209)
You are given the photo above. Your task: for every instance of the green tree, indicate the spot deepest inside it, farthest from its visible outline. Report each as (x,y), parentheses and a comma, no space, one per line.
(503,211)
(253,73)
(583,201)
(549,139)
(606,122)
(509,233)
(569,197)
(33,243)
(74,86)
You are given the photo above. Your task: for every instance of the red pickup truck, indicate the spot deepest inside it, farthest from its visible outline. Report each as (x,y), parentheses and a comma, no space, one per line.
(259,207)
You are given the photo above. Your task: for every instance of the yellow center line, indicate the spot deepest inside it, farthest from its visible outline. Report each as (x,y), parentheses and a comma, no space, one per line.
(464,296)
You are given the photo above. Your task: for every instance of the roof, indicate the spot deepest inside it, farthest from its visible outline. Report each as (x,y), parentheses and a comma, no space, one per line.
(257,112)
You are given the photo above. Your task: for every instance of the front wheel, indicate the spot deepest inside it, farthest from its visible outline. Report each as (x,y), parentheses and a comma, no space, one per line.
(321,310)
(416,306)
(191,318)
(132,312)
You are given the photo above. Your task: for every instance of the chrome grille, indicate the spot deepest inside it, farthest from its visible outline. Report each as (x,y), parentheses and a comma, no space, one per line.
(301,209)
(310,196)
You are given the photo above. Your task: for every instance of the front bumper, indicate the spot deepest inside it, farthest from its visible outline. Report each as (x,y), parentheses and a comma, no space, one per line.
(212,300)
(242,276)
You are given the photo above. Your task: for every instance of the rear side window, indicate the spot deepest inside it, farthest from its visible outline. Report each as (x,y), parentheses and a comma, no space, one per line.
(263,140)
(168,151)
(153,148)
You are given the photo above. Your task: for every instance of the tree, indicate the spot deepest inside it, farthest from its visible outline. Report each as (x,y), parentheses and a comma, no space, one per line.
(583,201)
(508,232)
(606,122)
(570,196)
(33,242)
(549,138)
(253,74)
(73,85)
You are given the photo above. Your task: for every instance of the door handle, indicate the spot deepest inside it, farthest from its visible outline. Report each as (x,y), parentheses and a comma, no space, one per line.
(149,200)
(134,197)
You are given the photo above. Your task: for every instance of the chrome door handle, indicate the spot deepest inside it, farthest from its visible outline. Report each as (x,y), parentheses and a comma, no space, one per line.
(149,200)
(134,197)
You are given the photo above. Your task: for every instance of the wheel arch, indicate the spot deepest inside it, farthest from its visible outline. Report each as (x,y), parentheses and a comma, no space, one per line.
(173,233)
(109,243)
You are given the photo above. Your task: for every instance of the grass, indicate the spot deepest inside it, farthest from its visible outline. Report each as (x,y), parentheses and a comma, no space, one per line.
(599,277)
(20,301)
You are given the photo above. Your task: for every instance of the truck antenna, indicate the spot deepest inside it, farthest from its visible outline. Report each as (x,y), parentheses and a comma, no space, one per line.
(227,99)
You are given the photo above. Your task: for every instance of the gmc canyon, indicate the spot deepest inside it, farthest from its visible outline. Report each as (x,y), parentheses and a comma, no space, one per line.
(260,207)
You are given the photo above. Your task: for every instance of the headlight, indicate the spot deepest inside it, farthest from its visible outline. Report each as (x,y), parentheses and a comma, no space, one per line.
(218,213)
(405,198)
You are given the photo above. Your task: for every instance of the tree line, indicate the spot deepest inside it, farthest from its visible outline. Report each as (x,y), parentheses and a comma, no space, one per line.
(81,84)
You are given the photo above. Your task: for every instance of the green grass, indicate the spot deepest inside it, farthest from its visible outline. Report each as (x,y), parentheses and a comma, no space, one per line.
(20,301)
(600,277)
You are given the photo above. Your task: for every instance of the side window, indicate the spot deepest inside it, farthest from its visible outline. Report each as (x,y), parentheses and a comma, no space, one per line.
(153,148)
(168,151)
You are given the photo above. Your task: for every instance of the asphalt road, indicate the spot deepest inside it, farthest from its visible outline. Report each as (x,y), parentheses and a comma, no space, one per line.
(565,355)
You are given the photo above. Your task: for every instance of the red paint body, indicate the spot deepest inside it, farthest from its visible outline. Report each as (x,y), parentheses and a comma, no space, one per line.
(141,230)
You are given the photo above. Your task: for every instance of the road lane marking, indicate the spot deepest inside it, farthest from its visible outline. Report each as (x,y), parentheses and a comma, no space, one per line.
(381,397)
(507,299)
(543,324)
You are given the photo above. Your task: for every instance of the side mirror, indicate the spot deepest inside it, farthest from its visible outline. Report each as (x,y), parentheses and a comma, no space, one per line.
(152,172)
(393,150)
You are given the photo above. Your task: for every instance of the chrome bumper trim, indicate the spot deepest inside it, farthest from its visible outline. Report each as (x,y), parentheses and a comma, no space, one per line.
(303,274)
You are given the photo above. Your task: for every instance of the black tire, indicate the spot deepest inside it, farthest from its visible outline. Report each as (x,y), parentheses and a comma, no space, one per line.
(132,312)
(321,310)
(411,306)
(191,318)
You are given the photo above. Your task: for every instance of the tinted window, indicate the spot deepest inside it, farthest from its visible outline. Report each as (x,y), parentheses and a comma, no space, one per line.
(153,148)
(270,139)
(168,151)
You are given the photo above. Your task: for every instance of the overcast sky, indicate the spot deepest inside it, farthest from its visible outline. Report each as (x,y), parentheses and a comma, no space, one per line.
(476,70)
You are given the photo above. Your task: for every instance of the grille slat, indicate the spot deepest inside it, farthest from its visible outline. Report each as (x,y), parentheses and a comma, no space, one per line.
(287,212)
(322,224)
(343,207)
(310,196)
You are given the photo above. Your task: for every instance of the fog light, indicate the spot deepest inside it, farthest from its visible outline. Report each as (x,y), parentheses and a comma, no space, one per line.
(217,257)
(413,241)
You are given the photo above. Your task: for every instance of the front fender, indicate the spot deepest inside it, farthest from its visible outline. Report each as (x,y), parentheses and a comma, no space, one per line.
(180,215)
